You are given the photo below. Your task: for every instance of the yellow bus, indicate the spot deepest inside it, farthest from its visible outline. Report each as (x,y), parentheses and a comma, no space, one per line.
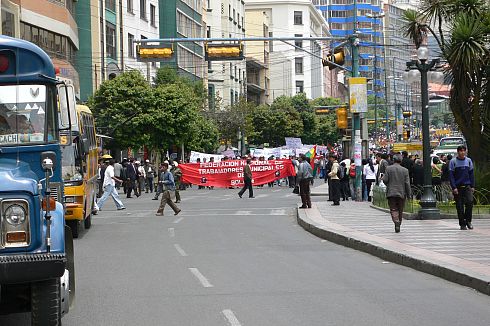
(79,169)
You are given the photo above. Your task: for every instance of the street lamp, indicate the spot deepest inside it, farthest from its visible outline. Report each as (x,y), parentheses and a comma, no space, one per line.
(420,69)
(375,84)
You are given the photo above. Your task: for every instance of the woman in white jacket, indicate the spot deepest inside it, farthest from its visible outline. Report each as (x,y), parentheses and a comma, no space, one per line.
(370,172)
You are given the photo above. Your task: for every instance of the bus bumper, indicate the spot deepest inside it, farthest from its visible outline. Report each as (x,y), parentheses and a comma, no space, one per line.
(74,212)
(29,268)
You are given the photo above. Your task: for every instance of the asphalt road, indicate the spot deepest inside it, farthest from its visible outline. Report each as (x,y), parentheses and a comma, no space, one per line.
(230,261)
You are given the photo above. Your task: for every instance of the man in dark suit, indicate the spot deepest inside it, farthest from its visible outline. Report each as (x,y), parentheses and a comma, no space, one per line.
(397,181)
(247,179)
(132,176)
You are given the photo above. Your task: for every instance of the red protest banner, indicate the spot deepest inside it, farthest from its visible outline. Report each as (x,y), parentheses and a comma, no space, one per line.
(230,173)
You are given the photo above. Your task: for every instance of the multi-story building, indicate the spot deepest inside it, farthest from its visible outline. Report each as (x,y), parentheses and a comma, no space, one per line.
(291,69)
(226,79)
(257,57)
(101,55)
(140,21)
(50,25)
(341,16)
(184,19)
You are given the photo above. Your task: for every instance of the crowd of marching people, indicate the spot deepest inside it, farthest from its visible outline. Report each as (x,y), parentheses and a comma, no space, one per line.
(454,176)
(136,178)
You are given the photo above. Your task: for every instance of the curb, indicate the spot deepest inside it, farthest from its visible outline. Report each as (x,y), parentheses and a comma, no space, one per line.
(318,194)
(415,216)
(418,262)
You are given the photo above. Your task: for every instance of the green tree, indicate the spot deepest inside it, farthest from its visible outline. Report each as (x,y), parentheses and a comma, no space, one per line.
(467,52)
(231,119)
(118,105)
(205,136)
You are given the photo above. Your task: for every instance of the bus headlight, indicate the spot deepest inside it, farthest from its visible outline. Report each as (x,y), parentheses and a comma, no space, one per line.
(15,214)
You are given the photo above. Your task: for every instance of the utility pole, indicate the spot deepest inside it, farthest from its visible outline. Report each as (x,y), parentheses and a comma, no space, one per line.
(356,119)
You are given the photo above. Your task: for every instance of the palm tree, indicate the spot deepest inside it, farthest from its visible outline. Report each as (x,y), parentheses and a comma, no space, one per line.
(466,48)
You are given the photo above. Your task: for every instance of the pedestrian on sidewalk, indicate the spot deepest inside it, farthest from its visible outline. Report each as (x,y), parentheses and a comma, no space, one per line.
(334,179)
(304,177)
(397,181)
(370,171)
(168,183)
(462,177)
(247,180)
(109,188)
(344,182)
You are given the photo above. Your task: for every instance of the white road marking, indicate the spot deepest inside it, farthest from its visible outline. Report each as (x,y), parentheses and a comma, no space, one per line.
(171,232)
(178,220)
(204,281)
(180,250)
(323,241)
(278,212)
(243,213)
(230,316)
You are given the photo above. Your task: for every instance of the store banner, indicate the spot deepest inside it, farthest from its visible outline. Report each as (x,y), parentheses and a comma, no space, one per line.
(230,172)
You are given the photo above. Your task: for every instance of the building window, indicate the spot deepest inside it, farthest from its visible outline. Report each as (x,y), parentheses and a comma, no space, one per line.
(54,44)
(130,45)
(152,15)
(130,6)
(110,40)
(190,62)
(300,85)
(143,9)
(8,25)
(187,27)
(71,7)
(238,20)
(110,4)
(298,66)
(298,18)
(232,96)
(298,43)
(271,43)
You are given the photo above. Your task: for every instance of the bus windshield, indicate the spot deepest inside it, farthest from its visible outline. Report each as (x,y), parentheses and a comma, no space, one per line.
(70,169)
(23,114)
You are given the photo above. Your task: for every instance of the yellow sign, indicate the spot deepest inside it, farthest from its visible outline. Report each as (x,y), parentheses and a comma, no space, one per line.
(409,147)
(63,140)
(358,94)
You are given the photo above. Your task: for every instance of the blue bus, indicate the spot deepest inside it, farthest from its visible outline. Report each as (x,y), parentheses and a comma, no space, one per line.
(36,248)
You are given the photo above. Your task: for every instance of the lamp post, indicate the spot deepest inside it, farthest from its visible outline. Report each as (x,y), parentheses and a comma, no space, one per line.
(420,69)
(375,79)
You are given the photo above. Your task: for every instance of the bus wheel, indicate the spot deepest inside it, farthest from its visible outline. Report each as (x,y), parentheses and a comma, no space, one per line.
(46,303)
(73,224)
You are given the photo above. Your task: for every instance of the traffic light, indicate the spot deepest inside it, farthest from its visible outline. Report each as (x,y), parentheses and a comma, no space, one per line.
(407,114)
(146,52)
(337,57)
(223,52)
(342,118)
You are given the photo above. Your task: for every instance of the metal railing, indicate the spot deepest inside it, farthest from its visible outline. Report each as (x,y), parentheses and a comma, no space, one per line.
(444,197)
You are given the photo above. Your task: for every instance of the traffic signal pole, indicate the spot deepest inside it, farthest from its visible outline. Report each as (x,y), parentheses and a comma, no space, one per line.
(356,119)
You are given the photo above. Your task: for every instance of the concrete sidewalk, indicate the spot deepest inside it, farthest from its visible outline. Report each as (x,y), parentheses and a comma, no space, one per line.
(437,247)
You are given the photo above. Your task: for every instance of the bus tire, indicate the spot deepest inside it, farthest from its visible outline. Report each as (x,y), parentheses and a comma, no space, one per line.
(73,224)
(46,303)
